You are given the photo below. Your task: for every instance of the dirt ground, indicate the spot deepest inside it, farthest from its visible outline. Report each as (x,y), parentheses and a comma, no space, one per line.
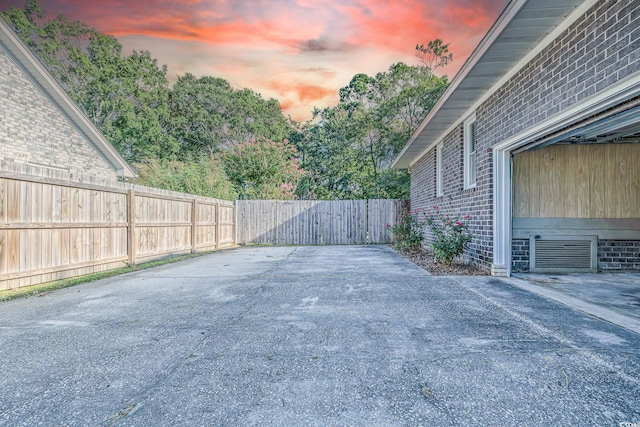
(425,259)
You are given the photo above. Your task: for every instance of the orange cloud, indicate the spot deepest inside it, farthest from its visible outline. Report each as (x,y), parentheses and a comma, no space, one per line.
(398,26)
(222,22)
(313,93)
(304,92)
(392,25)
(178,29)
(286,104)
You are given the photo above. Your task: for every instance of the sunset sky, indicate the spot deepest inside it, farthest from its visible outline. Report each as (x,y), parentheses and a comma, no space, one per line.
(297,51)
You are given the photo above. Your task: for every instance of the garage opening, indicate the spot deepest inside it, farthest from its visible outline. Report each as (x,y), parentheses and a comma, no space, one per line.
(576,198)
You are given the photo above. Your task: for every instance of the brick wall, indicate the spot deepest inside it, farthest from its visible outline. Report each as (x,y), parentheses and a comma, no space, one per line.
(599,49)
(596,51)
(520,256)
(476,202)
(613,255)
(34,132)
(619,255)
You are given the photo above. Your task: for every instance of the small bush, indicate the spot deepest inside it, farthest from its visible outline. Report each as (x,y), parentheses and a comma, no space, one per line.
(450,235)
(408,231)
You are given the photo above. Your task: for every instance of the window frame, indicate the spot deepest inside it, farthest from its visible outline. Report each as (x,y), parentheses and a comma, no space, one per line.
(470,157)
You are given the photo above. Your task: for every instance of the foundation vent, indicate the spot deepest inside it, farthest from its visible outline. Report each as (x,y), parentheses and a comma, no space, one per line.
(564,254)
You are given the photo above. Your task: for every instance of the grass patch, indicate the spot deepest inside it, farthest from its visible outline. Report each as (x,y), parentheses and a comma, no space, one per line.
(44,288)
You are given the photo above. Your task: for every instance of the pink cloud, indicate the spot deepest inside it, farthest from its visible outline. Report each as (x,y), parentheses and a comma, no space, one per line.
(311,48)
(399,26)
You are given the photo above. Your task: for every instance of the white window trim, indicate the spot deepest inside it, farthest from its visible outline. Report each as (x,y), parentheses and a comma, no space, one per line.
(439,170)
(470,168)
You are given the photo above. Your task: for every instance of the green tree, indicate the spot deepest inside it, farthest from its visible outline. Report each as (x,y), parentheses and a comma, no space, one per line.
(58,43)
(207,115)
(124,96)
(434,55)
(347,149)
(331,163)
(131,107)
(263,169)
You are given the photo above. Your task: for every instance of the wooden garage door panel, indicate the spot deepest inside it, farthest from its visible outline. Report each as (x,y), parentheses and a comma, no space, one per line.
(577,181)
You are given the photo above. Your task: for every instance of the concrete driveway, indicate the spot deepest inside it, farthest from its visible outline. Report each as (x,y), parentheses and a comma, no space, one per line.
(310,336)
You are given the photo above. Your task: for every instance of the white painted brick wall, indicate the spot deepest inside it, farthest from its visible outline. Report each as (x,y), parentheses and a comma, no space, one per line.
(33,131)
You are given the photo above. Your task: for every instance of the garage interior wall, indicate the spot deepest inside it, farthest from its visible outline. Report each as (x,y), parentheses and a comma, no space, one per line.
(581,189)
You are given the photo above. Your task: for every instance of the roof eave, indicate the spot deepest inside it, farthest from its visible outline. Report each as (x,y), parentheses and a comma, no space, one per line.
(403,160)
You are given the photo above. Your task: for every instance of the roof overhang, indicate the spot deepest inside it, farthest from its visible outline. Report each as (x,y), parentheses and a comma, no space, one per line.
(39,75)
(520,32)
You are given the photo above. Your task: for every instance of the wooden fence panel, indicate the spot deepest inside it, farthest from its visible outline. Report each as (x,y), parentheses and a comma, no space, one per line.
(207,224)
(162,226)
(257,221)
(3,199)
(38,237)
(287,222)
(3,251)
(52,229)
(382,214)
(227,226)
(305,222)
(292,221)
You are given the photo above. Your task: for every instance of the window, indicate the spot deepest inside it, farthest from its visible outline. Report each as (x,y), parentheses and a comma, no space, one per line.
(439,173)
(470,152)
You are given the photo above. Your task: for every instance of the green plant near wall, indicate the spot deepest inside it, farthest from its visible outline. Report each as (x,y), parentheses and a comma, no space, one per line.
(451,235)
(408,231)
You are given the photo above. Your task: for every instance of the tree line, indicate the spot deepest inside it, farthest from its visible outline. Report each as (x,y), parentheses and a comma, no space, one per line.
(202,136)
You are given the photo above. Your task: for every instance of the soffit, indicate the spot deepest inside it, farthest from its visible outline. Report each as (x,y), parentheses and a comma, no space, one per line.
(519,29)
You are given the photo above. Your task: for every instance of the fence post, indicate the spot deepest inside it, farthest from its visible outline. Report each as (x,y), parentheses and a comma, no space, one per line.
(194,225)
(235,224)
(367,206)
(131,244)
(217,224)
(275,237)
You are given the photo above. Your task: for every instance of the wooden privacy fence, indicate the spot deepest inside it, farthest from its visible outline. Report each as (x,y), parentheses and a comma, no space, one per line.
(303,222)
(53,229)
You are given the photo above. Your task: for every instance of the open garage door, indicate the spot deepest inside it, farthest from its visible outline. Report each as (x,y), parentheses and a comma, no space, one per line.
(576,198)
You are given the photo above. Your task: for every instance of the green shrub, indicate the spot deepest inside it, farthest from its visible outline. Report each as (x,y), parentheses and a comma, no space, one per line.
(450,235)
(203,177)
(408,231)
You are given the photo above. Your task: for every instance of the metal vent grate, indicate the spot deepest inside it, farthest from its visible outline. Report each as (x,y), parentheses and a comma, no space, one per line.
(562,254)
